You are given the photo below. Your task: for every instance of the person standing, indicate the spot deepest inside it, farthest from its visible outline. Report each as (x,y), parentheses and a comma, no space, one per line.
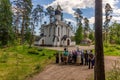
(74,53)
(78,61)
(86,57)
(91,60)
(65,53)
(57,57)
(82,57)
(70,57)
(62,57)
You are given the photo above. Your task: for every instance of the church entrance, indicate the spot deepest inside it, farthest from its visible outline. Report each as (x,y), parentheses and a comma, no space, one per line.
(68,42)
(43,42)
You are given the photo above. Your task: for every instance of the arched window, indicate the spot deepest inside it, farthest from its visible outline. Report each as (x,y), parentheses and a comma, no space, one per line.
(68,42)
(61,30)
(50,31)
(58,31)
(43,42)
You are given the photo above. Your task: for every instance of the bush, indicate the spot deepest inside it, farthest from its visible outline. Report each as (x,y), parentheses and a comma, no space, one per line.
(33,52)
(4,58)
(49,57)
(117,47)
(111,49)
(43,54)
(106,45)
(40,49)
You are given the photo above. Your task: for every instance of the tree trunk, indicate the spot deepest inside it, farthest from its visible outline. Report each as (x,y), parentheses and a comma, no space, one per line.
(99,72)
(22,32)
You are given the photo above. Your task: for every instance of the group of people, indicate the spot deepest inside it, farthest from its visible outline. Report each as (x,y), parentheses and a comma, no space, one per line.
(80,57)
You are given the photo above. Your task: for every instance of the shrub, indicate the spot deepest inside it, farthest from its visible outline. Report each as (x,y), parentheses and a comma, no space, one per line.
(49,57)
(111,49)
(40,49)
(43,54)
(33,52)
(4,58)
(106,45)
(117,47)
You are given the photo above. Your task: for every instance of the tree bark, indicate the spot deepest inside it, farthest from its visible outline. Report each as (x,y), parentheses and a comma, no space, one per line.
(99,71)
(22,31)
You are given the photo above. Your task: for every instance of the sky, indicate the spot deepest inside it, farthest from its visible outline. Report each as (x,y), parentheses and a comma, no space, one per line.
(87,7)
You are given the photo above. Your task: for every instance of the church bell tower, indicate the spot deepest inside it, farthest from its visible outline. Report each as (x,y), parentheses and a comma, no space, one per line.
(58,13)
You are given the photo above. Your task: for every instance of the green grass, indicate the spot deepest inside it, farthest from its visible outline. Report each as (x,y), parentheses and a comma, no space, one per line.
(18,63)
(112,50)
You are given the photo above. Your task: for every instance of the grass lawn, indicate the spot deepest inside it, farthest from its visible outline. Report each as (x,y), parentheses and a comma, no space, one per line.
(112,50)
(21,62)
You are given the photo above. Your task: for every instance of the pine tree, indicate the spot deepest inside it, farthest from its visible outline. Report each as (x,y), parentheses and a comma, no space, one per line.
(79,35)
(37,15)
(25,7)
(5,22)
(91,36)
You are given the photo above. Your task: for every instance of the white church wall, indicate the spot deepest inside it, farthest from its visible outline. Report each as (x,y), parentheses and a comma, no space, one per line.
(40,41)
(59,32)
(58,43)
(55,42)
(72,43)
(58,17)
(49,40)
(64,31)
(52,30)
(46,31)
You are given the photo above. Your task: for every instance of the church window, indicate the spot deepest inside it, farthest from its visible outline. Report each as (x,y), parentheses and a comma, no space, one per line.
(61,30)
(49,31)
(68,32)
(43,42)
(58,31)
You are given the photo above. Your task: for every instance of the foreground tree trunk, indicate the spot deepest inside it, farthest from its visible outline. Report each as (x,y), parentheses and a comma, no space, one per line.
(99,56)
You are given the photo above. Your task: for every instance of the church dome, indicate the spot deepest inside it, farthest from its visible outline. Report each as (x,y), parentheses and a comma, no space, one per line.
(58,10)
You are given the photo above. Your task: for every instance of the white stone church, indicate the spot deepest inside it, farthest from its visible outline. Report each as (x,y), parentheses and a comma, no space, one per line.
(57,33)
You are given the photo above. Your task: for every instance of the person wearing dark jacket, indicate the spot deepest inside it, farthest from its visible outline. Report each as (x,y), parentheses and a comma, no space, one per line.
(82,57)
(91,60)
(57,57)
(86,57)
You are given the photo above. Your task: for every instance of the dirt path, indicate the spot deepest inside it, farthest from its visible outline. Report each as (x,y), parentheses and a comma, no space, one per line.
(71,48)
(71,72)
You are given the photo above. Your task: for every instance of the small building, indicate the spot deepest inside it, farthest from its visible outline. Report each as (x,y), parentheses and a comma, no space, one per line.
(56,33)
